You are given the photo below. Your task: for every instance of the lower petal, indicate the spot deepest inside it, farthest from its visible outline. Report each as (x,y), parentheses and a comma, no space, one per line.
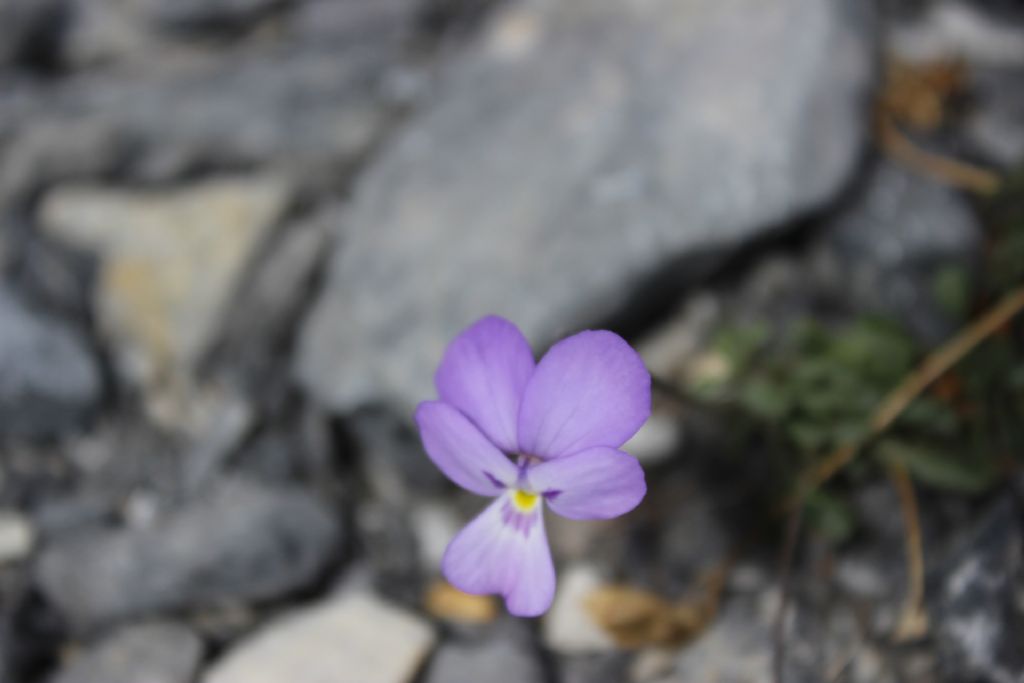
(506,552)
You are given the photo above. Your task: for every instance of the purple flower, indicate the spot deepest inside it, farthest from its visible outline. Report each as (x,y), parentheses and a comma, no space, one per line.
(529,434)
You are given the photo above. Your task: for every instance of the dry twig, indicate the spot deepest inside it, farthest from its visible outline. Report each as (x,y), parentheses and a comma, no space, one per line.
(949,171)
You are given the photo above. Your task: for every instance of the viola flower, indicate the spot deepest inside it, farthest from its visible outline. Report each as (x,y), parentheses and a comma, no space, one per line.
(528,435)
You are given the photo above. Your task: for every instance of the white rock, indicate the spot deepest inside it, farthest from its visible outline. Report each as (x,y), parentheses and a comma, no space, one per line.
(16,537)
(657,440)
(957,31)
(352,638)
(435,526)
(172,261)
(683,337)
(568,627)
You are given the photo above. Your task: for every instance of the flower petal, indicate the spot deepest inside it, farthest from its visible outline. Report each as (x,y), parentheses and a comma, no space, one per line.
(599,483)
(459,450)
(494,555)
(589,390)
(483,373)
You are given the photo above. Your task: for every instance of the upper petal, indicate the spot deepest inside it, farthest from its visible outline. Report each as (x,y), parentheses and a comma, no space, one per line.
(483,373)
(493,555)
(459,450)
(590,389)
(599,483)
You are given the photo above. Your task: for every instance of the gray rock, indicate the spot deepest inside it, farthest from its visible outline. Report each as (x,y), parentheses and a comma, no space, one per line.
(996,124)
(49,151)
(979,618)
(240,541)
(502,658)
(385,22)
(315,110)
(28,30)
(350,638)
(73,513)
(227,422)
(575,151)
(738,647)
(893,240)
(394,463)
(121,458)
(102,32)
(193,15)
(264,312)
(693,536)
(278,454)
(392,551)
(145,653)
(602,668)
(49,380)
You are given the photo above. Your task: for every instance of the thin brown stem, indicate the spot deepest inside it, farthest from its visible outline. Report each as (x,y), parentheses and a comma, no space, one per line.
(913,621)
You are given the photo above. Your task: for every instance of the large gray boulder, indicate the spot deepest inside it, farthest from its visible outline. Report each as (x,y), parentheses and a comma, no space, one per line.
(577,149)
(313,101)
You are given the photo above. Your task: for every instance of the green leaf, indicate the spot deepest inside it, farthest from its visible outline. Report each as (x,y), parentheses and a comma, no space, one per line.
(765,399)
(831,516)
(874,348)
(930,415)
(951,287)
(808,337)
(739,343)
(939,468)
(810,437)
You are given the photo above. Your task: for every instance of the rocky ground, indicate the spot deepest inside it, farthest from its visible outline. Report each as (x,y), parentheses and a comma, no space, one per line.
(235,236)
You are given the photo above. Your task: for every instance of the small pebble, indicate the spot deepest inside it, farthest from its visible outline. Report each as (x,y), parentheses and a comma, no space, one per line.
(17,537)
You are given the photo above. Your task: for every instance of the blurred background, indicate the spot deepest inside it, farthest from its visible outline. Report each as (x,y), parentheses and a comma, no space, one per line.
(236,235)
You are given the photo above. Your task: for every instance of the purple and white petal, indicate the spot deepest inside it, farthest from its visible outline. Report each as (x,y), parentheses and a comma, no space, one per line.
(534,588)
(462,452)
(591,389)
(599,483)
(483,373)
(511,558)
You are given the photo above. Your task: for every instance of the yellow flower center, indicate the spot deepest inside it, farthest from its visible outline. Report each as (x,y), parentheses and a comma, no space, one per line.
(524,500)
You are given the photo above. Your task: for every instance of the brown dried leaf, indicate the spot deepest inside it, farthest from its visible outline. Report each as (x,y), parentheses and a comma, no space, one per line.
(638,618)
(918,95)
(448,603)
